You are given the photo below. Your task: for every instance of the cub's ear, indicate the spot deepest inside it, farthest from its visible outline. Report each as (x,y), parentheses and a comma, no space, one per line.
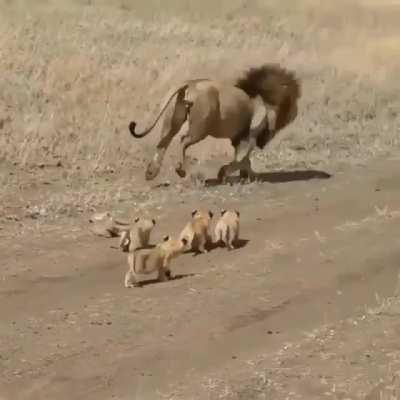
(136,220)
(223,212)
(237,213)
(153,221)
(194,212)
(166,238)
(184,241)
(210,213)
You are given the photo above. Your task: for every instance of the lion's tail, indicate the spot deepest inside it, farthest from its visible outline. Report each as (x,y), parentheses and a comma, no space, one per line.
(132,125)
(271,82)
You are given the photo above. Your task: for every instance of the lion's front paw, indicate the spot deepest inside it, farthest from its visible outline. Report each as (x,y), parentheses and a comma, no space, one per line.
(180,171)
(222,177)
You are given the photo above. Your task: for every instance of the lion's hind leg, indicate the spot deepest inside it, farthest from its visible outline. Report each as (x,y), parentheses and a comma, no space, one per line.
(175,117)
(164,274)
(218,235)
(203,117)
(130,276)
(195,134)
(130,280)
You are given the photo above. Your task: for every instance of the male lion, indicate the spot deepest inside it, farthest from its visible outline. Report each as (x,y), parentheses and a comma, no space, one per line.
(225,111)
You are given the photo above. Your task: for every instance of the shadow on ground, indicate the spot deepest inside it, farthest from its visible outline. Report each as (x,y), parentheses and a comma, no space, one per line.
(276,177)
(240,243)
(173,278)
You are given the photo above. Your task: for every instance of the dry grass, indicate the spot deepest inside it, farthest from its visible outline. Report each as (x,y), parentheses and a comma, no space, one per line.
(75,73)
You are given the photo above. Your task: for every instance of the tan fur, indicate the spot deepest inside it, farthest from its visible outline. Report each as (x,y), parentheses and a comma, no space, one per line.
(227,228)
(147,261)
(138,235)
(104,224)
(196,230)
(225,111)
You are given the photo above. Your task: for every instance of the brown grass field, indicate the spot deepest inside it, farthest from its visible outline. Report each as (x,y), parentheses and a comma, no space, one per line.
(307,309)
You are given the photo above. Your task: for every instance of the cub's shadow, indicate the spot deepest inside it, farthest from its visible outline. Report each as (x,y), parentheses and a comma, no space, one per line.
(173,278)
(240,243)
(275,177)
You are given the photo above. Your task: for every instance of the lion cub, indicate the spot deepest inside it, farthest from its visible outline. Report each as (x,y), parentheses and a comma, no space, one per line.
(104,224)
(137,235)
(146,261)
(227,228)
(196,230)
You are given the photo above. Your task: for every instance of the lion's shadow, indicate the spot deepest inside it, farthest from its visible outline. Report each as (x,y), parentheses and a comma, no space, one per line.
(173,278)
(210,246)
(275,177)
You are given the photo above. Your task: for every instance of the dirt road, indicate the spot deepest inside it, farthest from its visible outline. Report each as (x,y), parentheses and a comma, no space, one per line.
(314,253)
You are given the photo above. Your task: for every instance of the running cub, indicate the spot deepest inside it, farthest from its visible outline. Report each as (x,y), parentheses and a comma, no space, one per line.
(196,230)
(146,261)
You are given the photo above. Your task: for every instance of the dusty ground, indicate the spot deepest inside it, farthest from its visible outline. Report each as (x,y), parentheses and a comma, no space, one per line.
(307,308)
(290,314)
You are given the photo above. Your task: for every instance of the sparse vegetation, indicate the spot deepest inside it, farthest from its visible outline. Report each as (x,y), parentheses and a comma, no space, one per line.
(74,73)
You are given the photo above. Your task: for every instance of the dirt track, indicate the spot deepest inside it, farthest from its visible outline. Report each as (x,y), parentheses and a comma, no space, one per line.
(314,253)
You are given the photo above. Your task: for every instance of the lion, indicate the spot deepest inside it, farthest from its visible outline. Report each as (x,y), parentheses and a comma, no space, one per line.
(137,236)
(223,110)
(196,231)
(104,224)
(147,261)
(227,228)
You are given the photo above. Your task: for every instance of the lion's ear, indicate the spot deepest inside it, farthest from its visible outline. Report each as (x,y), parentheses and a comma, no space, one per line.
(136,220)
(223,212)
(166,238)
(237,213)
(210,213)
(194,212)
(184,241)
